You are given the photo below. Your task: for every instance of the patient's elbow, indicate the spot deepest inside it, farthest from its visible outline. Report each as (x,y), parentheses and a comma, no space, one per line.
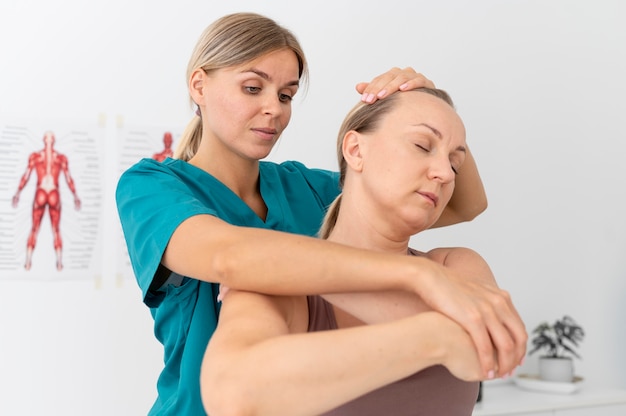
(221,396)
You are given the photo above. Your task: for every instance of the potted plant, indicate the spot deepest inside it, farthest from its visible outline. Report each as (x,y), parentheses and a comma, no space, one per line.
(559,341)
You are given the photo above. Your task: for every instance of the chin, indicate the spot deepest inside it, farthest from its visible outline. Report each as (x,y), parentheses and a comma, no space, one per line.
(418,227)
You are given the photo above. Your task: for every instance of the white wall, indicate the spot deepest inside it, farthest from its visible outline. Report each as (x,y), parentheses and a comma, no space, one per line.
(540,85)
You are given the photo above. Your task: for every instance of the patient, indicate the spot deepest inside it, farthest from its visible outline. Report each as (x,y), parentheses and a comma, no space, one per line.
(273,355)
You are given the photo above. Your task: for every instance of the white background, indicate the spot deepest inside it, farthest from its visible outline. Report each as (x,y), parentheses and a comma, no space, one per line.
(540,85)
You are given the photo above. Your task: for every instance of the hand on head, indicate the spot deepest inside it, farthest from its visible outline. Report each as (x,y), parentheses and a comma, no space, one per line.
(395,79)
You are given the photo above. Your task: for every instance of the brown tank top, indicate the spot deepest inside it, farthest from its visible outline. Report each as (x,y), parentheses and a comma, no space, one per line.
(430,392)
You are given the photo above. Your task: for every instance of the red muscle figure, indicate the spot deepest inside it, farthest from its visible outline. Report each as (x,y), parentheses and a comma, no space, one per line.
(48,164)
(167,151)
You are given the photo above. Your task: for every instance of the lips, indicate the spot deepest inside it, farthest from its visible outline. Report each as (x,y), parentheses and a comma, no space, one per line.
(267,133)
(432,197)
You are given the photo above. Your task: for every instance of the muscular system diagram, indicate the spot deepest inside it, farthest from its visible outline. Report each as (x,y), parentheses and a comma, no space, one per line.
(167,148)
(48,165)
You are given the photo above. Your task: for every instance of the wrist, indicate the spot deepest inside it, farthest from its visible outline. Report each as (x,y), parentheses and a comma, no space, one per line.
(421,276)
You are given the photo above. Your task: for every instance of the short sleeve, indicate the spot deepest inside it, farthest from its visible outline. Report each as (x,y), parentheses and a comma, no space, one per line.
(152,201)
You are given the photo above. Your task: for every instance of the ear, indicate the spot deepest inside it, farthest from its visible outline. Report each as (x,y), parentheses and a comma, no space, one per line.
(352,150)
(196,85)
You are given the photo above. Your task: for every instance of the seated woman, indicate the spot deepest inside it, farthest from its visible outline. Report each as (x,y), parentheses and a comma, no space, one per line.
(279,355)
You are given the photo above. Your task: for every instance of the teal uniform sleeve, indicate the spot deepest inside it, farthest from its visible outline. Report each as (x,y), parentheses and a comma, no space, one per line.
(152,201)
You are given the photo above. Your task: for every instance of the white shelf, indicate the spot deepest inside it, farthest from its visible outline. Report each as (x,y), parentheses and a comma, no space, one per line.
(505,398)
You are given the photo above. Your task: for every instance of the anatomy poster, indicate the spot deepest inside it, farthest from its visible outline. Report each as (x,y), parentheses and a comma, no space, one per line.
(50,200)
(134,144)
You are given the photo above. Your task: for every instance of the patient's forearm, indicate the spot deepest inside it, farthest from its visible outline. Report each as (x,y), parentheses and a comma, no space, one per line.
(318,371)
(377,307)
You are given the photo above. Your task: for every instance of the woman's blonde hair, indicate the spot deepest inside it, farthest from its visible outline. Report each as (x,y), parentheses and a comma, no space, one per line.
(365,118)
(234,40)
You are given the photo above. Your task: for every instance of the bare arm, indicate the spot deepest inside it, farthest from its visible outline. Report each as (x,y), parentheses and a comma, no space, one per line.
(390,305)
(469,198)
(272,262)
(507,332)
(256,365)
(279,263)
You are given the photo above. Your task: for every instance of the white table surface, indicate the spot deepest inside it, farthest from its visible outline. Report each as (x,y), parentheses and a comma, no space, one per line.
(506,398)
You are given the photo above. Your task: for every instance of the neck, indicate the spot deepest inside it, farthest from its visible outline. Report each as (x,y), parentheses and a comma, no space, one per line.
(355,228)
(239,174)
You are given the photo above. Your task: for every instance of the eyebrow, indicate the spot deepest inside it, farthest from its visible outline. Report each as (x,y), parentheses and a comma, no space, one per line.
(438,134)
(266,76)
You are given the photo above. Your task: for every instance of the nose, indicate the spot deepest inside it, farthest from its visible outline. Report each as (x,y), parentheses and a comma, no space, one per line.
(272,104)
(441,169)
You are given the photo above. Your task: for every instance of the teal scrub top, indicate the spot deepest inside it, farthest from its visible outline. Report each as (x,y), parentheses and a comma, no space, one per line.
(153,198)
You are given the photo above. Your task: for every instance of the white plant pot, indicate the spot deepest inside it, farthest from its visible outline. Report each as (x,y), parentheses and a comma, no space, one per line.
(556,369)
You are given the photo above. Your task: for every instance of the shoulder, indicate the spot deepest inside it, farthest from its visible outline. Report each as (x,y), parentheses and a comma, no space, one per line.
(148,172)
(322,181)
(148,165)
(446,255)
(163,187)
(294,167)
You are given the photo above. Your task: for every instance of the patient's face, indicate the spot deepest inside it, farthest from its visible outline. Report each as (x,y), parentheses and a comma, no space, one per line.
(410,161)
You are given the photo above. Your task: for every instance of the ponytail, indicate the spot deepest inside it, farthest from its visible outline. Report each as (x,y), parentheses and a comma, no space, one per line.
(330,219)
(190,140)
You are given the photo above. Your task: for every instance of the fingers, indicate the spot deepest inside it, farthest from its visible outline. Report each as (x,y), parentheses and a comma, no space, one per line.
(508,335)
(511,339)
(395,79)
(475,326)
(499,335)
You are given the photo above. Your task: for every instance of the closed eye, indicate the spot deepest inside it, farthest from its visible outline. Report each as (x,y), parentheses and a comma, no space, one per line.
(424,148)
(457,159)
